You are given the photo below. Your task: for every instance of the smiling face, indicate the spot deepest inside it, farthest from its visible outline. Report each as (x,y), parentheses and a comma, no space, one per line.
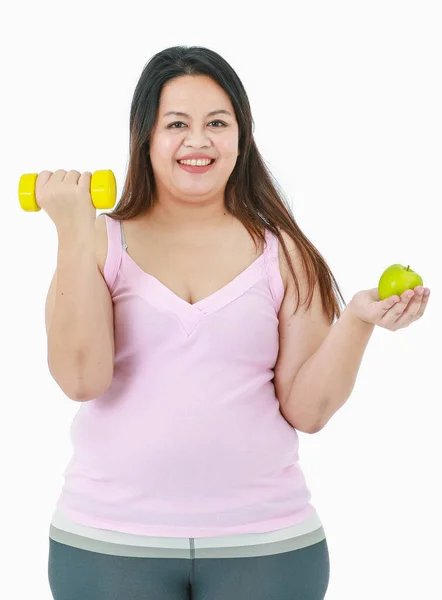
(174,136)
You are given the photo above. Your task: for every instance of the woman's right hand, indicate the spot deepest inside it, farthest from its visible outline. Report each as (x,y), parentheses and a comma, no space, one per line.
(65,197)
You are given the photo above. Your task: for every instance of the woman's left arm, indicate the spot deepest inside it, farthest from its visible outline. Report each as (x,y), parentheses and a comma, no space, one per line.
(332,370)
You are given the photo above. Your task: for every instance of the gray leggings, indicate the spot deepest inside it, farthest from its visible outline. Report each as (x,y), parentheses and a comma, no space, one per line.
(79,574)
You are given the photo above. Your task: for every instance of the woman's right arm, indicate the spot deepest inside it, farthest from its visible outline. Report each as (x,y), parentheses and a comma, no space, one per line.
(79,318)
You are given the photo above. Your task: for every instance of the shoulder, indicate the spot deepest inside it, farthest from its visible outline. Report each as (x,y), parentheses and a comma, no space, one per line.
(295,259)
(101,241)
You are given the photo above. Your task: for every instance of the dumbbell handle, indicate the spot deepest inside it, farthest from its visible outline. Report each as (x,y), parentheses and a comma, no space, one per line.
(103,190)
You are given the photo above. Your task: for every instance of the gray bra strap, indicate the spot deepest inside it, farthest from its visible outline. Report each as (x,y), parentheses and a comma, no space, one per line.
(122,236)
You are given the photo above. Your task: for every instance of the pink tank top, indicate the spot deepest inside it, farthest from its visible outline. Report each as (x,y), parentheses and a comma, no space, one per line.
(189,440)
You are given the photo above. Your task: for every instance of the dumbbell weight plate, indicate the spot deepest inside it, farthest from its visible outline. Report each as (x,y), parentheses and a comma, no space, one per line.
(103,189)
(26,192)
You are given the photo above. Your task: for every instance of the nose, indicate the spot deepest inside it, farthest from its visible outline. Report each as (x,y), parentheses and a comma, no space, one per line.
(197,138)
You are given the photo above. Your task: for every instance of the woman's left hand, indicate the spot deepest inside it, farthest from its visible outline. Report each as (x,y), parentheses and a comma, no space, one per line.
(391,313)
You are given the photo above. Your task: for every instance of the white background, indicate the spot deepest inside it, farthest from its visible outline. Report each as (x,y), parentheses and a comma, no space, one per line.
(346,98)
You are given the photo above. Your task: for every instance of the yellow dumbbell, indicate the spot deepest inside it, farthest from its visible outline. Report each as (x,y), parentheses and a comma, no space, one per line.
(103,190)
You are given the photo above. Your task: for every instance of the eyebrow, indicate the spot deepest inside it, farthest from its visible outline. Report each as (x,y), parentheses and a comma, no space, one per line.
(210,114)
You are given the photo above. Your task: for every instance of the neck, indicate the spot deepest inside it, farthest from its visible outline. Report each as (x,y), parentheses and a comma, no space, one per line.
(181,215)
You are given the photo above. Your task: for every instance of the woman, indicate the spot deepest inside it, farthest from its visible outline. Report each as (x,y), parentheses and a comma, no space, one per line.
(206,306)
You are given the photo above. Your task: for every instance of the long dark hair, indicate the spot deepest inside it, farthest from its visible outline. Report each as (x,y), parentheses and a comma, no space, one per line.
(252,194)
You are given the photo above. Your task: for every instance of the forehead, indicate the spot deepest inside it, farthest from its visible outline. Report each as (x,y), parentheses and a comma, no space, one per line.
(194,94)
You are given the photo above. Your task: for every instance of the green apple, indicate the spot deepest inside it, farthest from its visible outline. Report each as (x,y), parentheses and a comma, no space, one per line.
(396,279)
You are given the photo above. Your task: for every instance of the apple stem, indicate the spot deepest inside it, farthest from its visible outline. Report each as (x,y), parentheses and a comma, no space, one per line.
(408,267)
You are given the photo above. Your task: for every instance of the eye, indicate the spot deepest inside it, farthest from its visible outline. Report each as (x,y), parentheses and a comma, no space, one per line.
(171,126)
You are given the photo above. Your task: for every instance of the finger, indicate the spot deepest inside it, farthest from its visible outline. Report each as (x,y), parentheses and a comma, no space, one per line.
(423,305)
(397,308)
(59,175)
(85,180)
(72,177)
(410,313)
(387,304)
(416,306)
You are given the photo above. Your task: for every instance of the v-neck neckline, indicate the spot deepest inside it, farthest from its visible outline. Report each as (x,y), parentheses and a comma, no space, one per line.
(157,293)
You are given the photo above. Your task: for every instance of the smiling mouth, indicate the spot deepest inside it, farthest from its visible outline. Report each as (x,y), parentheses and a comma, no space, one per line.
(196,169)
(184,165)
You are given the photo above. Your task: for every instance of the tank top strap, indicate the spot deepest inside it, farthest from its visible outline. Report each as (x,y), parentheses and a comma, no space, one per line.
(271,261)
(115,246)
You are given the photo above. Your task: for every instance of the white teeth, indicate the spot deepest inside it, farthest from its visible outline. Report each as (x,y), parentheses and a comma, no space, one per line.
(195,163)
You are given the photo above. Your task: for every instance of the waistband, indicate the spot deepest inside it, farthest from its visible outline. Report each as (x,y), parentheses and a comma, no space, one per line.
(104,541)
